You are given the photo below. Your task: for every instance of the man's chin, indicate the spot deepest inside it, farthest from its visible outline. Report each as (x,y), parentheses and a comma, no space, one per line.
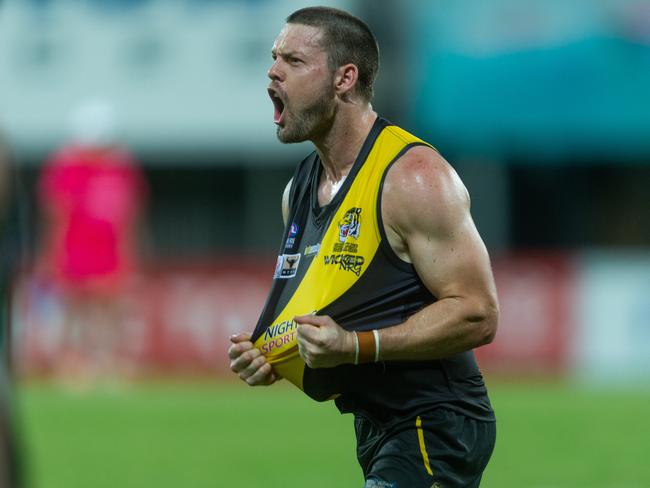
(286,137)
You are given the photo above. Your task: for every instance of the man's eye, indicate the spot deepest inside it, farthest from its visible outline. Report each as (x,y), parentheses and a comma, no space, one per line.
(295,60)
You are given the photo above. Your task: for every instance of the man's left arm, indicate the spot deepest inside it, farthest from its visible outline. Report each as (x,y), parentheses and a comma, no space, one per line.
(426,213)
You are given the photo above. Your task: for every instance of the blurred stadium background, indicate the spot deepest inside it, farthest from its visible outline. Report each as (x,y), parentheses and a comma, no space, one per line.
(542,107)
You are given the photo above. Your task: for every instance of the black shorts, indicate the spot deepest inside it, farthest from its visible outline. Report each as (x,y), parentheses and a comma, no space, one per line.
(438,449)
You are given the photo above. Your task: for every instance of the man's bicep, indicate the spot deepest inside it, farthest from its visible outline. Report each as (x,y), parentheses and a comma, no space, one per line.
(426,210)
(433,217)
(454,263)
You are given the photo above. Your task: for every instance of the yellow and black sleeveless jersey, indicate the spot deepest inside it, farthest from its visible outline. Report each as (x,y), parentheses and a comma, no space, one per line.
(335,260)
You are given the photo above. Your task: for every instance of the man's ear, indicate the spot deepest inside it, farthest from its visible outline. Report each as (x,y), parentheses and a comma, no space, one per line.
(346,79)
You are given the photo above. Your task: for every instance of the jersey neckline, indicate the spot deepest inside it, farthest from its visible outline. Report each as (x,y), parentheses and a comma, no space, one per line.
(322,213)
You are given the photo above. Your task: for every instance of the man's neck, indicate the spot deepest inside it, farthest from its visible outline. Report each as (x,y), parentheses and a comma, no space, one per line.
(339,147)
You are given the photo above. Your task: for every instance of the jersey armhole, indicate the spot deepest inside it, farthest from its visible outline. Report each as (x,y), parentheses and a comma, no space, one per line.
(383,243)
(298,181)
(292,195)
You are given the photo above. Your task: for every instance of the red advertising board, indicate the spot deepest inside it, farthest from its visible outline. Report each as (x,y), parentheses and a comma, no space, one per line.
(179,317)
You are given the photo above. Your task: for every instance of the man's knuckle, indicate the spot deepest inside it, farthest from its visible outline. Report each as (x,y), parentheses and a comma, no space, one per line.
(256,379)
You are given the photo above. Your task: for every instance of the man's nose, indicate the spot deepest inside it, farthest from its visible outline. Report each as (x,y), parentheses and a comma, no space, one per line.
(274,71)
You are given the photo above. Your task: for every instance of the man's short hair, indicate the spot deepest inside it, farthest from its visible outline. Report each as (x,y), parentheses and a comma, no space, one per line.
(346,39)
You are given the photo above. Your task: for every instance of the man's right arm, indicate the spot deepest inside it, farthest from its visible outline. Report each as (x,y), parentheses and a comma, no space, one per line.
(246,360)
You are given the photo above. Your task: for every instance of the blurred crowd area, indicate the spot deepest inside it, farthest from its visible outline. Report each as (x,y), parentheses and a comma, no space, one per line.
(142,206)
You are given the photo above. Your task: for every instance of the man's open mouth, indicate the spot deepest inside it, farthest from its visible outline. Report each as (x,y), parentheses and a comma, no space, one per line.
(278,105)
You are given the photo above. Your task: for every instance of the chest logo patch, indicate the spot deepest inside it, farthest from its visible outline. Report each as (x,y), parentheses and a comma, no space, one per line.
(344,253)
(350,224)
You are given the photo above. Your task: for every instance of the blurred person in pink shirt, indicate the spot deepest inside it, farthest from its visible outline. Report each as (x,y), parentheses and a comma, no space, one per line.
(91,192)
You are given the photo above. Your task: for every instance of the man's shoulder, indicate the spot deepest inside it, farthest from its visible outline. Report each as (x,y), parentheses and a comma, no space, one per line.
(422,186)
(421,169)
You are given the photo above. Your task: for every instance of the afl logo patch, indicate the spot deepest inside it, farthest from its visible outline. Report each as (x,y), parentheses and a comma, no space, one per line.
(291,238)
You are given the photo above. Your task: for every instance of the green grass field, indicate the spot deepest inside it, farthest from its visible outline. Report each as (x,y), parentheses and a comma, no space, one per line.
(227,435)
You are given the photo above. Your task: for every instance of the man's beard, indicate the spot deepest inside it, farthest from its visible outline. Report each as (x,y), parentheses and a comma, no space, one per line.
(310,121)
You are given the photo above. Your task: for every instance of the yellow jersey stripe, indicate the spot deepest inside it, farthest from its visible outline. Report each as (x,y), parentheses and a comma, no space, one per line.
(423,448)
(322,284)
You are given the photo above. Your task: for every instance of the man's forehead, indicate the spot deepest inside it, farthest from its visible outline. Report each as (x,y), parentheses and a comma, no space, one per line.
(298,37)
